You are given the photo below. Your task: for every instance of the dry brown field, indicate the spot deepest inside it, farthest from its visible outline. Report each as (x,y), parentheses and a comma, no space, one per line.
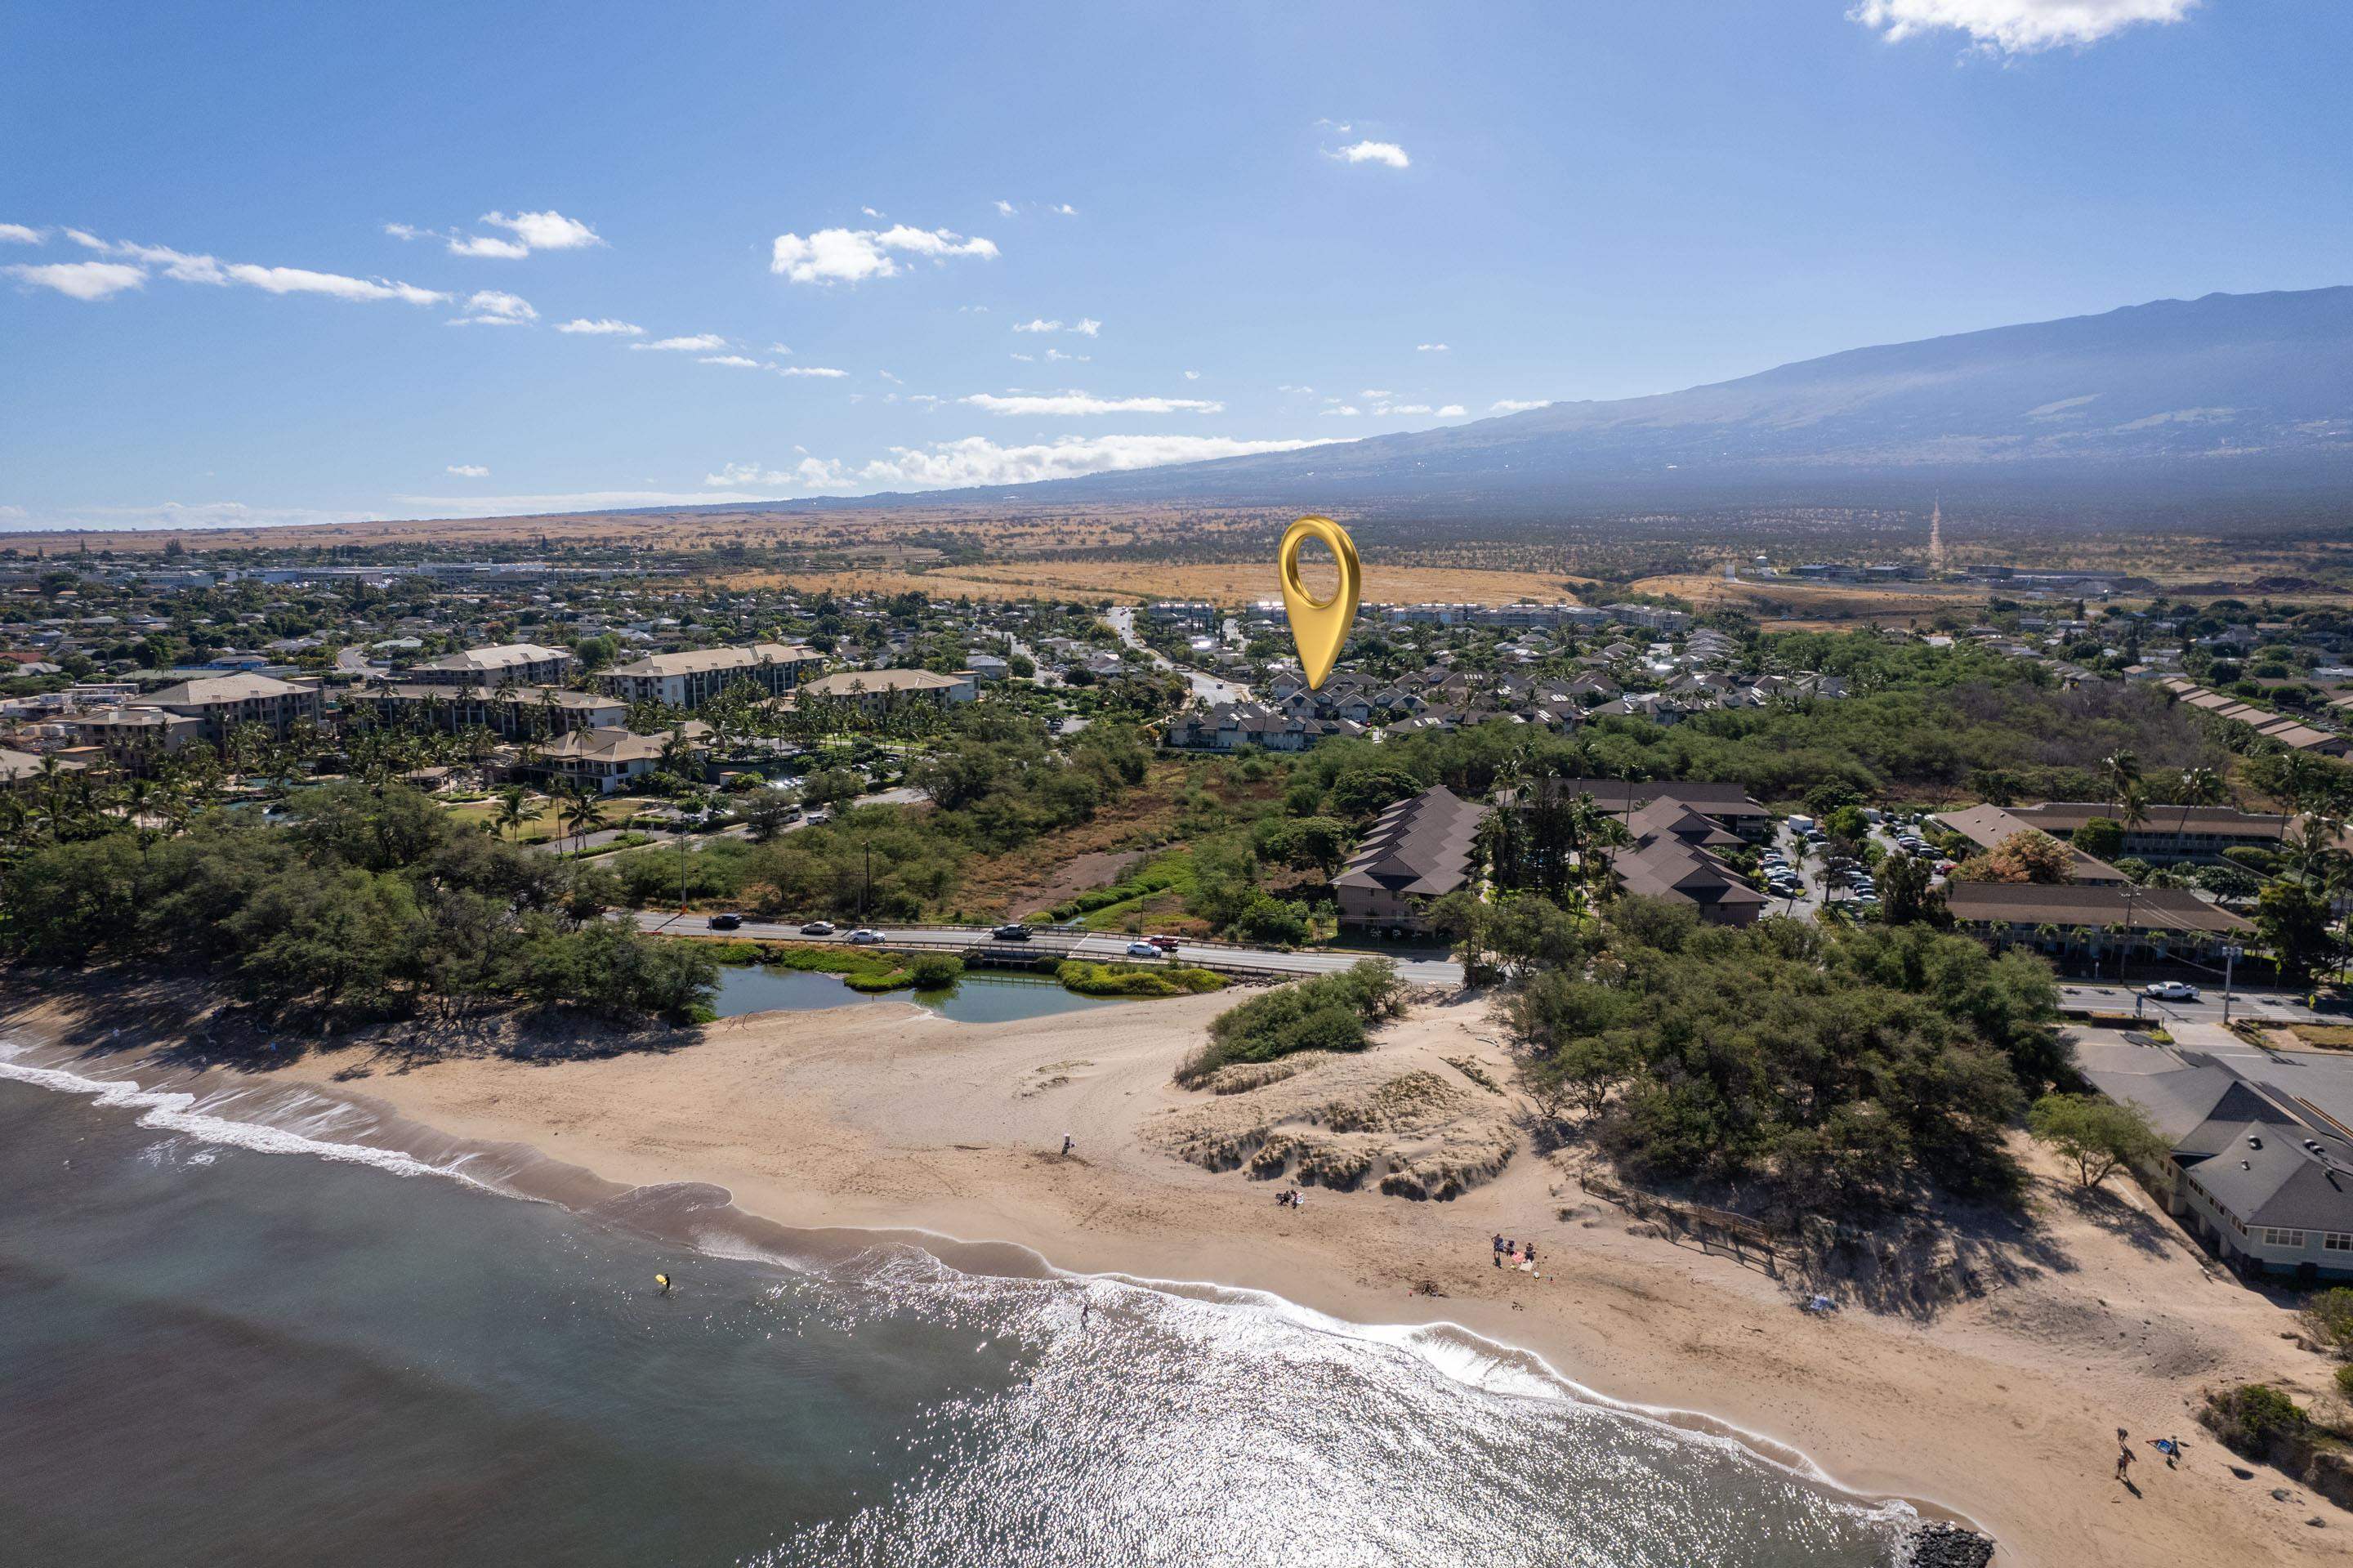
(1140,581)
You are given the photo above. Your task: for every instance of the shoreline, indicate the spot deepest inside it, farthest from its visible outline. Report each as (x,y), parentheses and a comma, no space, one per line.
(862,1128)
(582,1191)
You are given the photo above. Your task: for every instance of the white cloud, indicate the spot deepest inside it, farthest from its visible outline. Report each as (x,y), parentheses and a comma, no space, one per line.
(826,371)
(302,280)
(2016,27)
(1452,411)
(93,281)
(1192,375)
(869,212)
(488,245)
(1388,153)
(18,234)
(1085,326)
(1377,392)
(978,461)
(1429,348)
(468,470)
(1067,210)
(1056,353)
(1027,358)
(1286,387)
(81,279)
(603,326)
(701,343)
(545,230)
(780,348)
(542,505)
(489,307)
(854,255)
(1516,405)
(737,360)
(1344,411)
(405,231)
(1087,403)
(1004,208)
(1403,408)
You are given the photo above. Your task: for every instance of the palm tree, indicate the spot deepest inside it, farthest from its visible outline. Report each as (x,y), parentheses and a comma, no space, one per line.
(511,813)
(2132,811)
(2198,787)
(579,811)
(2123,771)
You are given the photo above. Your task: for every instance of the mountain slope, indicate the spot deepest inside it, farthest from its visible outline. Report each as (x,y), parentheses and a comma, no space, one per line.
(2224,394)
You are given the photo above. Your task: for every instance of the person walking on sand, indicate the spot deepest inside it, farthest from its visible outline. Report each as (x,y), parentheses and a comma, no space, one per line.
(1499,1249)
(1066,1146)
(2123,1466)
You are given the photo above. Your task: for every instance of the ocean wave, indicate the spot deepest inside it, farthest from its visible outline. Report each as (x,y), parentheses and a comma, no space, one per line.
(173,1110)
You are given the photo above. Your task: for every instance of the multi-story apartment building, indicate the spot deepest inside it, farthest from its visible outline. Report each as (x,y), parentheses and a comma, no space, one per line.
(691,678)
(516,663)
(219,703)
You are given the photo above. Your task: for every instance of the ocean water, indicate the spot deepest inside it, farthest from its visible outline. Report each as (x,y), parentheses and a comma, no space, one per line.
(270,1328)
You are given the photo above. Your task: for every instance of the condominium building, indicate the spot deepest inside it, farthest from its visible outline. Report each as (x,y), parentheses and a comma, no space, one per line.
(220,704)
(511,712)
(874,689)
(518,663)
(692,677)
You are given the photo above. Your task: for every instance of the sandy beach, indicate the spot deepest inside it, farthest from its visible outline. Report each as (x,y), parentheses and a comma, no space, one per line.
(2000,1409)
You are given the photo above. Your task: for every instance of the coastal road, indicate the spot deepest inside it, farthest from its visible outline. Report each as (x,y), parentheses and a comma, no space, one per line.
(1094,945)
(2266,1003)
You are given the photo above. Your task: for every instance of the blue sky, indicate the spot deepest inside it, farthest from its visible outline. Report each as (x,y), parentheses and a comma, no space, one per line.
(326,261)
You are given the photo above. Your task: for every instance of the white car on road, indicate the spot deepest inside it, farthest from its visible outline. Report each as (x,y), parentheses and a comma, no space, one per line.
(2170,990)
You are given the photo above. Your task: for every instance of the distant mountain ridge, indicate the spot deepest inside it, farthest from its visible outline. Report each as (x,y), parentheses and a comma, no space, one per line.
(2227,393)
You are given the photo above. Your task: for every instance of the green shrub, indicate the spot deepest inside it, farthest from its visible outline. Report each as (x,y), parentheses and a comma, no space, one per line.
(1330,1013)
(2253,1416)
(936,971)
(1090,978)
(2345,1382)
(2329,1315)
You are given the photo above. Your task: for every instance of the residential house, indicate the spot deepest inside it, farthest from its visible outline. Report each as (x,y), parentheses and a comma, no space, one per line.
(2262,1177)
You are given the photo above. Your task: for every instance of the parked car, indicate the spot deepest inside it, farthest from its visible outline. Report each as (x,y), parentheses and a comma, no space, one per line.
(1166,944)
(819,928)
(1011,933)
(866,936)
(1143,950)
(2170,990)
(819,818)
(726,922)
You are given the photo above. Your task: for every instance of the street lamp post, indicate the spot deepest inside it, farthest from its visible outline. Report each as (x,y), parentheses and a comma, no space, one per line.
(2230,954)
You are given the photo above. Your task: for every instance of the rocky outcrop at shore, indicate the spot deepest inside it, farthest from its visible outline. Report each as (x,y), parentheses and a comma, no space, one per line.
(1943,1545)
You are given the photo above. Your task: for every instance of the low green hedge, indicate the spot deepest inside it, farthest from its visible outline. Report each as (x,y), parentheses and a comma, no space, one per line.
(1090,978)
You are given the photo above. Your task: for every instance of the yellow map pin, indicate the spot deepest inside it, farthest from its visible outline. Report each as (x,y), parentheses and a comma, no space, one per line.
(1320,626)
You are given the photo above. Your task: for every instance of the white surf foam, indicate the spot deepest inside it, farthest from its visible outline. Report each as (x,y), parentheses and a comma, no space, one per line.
(173,1111)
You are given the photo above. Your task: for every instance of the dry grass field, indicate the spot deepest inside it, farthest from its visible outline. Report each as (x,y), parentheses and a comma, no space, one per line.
(1140,581)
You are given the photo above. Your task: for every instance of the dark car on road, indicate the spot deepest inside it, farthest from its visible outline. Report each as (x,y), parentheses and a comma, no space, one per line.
(726,922)
(1011,933)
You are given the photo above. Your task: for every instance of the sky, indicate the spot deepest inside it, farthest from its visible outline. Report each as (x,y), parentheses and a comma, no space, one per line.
(273,264)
